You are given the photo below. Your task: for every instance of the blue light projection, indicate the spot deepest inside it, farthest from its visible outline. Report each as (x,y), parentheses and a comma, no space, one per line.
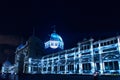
(55,41)
(88,57)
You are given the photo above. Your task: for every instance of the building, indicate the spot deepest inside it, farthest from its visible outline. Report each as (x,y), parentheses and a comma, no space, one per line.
(89,56)
(102,56)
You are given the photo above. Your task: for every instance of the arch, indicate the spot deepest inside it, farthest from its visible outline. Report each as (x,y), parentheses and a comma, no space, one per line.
(110,56)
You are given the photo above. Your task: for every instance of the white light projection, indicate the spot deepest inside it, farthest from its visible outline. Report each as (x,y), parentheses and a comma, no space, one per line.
(88,57)
(54,44)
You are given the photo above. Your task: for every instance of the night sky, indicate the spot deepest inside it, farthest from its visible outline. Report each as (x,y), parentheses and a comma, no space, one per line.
(74,20)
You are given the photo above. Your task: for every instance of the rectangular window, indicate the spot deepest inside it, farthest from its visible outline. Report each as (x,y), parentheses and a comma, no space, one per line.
(86,66)
(70,67)
(49,68)
(55,68)
(97,66)
(106,65)
(102,44)
(111,65)
(35,68)
(62,68)
(116,66)
(44,69)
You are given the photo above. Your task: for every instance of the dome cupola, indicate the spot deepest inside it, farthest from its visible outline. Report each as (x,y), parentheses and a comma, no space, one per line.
(55,41)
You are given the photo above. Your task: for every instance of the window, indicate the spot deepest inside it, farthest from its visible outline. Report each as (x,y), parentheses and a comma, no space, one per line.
(56,44)
(55,68)
(52,44)
(111,65)
(105,43)
(62,68)
(108,43)
(44,69)
(97,66)
(102,44)
(115,41)
(86,66)
(96,45)
(49,68)
(70,67)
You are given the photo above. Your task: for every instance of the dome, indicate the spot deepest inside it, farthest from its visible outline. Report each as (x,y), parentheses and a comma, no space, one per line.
(55,42)
(20,46)
(54,36)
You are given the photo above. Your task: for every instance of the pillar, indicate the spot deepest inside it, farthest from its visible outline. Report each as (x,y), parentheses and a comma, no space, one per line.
(58,65)
(52,71)
(80,64)
(118,40)
(66,66)
(92,55)
(100,59)
(29,66)
(74,62)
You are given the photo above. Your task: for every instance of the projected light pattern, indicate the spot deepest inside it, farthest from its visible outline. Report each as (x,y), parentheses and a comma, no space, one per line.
(55,42)
(88,57)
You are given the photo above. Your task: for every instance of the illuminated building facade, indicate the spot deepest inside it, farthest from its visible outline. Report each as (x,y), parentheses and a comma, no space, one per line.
(88,57)
(102,56)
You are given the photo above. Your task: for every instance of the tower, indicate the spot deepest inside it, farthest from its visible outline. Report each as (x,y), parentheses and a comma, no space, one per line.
(55,43)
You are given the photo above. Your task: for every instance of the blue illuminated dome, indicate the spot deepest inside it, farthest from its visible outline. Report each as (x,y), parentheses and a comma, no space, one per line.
(56,37)
(55,41)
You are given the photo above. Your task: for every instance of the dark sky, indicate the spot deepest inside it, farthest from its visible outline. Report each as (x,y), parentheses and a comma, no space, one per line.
(74,20)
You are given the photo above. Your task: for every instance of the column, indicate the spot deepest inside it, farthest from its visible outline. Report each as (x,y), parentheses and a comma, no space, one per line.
(42,66)
(80,68)
(24,69)
(58,65)
(80,64)
(66,66)
(92,55)
(119,66)
(118,40)
(52,71)
(101,62)
(74,62)
(29,66)
(24,66)
(47,66)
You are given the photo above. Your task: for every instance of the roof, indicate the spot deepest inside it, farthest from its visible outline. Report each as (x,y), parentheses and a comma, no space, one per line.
(55,36)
